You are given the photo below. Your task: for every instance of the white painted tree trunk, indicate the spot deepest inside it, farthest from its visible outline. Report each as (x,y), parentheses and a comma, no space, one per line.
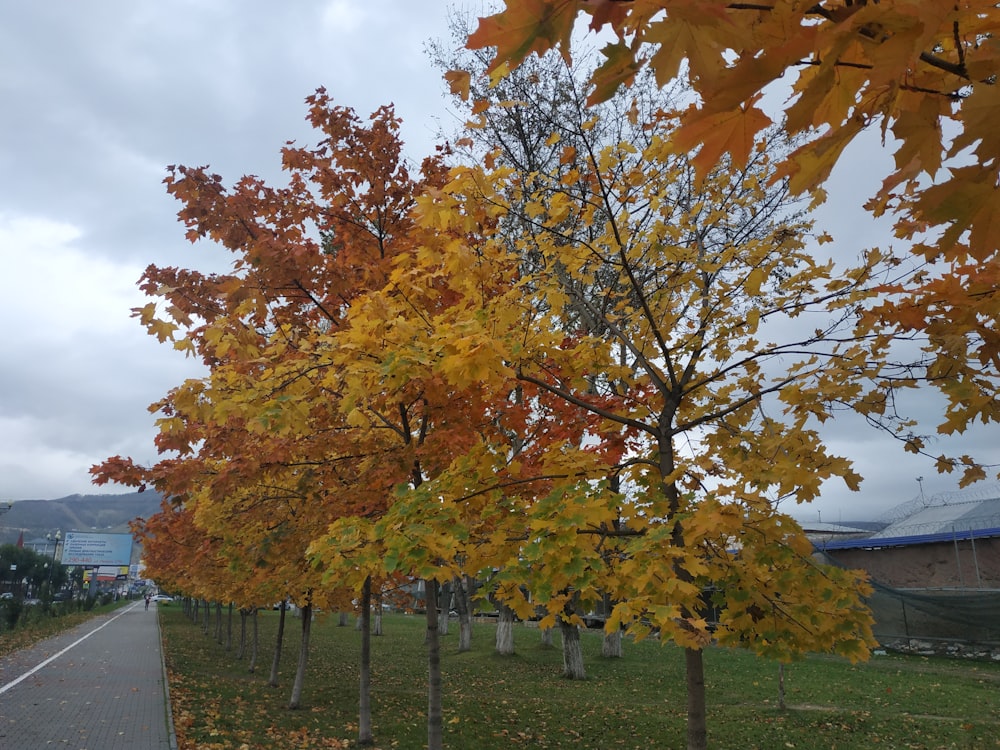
(612,647)
(444,607)
(547,637)
(505,631)
(572,651)
(295,701)
(463,603)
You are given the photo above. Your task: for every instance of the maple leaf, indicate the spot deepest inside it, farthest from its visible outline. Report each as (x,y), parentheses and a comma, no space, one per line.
(531,26)
(809,165)
(619,68)
(683,36)
(458,83)
(733,133)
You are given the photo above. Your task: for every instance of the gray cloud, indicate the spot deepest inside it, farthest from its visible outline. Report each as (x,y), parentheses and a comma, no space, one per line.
(99,97)
(98,100)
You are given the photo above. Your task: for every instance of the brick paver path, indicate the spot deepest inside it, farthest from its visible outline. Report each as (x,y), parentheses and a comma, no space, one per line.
(100,686)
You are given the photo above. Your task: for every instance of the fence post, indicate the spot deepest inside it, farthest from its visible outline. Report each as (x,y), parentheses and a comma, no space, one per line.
(958,559)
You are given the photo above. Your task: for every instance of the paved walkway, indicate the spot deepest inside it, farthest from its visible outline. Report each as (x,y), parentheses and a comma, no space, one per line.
(100,686)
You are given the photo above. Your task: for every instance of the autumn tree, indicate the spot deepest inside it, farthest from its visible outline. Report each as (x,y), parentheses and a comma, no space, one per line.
(535,120)
(263,441)
(254,511)
(309,411)
(423,437)
(697,339)
(922,72)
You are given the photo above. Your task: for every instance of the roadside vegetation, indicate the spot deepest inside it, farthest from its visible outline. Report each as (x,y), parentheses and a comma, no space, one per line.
(22,626)
(637,701)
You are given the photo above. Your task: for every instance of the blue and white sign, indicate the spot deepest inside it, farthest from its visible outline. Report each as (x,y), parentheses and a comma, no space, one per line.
(80,548)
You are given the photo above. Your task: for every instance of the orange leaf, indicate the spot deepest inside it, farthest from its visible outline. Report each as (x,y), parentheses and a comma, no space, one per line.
(458,82)
(526,27)
(733,132)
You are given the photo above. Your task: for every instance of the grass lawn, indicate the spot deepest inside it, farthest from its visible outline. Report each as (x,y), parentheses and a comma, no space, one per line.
(496,702)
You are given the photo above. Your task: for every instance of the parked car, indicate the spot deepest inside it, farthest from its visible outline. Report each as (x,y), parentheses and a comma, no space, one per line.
(162,598)
(6,596)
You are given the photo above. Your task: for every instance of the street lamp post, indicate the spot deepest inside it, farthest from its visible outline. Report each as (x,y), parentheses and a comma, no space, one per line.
(55,549)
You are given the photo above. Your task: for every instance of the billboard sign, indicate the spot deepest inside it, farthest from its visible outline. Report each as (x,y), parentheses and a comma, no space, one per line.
(80,548)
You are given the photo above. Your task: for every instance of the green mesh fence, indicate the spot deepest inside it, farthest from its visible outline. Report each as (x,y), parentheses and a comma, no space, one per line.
(966,615)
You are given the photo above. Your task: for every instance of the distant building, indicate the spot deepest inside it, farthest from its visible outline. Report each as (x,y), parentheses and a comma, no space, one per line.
(819,532)
(934,545)
(41,545)
(935,568)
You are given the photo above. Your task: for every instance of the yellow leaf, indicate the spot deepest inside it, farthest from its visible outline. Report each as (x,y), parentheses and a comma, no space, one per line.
(752,285)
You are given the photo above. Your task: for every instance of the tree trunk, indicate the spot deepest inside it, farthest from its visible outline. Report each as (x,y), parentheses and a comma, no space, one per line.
(377,630)
(206,618)
(697,723)
(242,650)
(463,603)
(342,619)
(612,647)
(464,632)
(547,637)
(781,686)
(365,687)
(273,680)
(253,646)
(300,672)
(505,631)
(229,629)
(572,651)
(434,728)
(444,607)
(218,623)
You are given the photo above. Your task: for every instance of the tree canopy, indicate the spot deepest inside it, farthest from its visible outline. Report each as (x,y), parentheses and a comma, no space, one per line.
(922,72)
(590,360)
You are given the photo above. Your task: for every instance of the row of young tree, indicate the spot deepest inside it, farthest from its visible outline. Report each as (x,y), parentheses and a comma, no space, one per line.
(570,358)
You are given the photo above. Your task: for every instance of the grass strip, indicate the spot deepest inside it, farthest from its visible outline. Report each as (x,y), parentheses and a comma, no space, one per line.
(638,702)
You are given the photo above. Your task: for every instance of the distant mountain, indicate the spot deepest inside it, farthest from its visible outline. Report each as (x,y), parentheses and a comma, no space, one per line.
(100,513)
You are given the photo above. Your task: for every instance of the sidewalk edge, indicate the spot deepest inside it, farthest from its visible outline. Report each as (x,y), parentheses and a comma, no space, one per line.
(166,687)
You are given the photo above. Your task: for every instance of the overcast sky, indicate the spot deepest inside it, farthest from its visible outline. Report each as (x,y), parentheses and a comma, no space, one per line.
(97,98)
